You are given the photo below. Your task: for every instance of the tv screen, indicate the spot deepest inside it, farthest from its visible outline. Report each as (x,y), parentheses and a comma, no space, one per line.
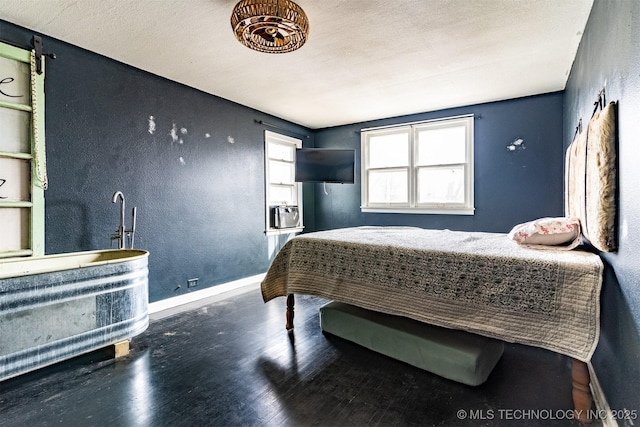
(325,165)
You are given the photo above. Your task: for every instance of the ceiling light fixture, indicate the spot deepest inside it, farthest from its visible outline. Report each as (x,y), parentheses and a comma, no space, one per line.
(271,26)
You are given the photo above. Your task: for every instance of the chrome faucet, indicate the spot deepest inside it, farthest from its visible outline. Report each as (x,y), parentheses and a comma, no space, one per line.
(122,234)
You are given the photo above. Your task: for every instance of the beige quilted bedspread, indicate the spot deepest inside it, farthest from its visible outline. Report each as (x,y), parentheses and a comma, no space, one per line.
(479,282)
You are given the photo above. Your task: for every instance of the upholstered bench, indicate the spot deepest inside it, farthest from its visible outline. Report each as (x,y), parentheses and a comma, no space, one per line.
(452,354)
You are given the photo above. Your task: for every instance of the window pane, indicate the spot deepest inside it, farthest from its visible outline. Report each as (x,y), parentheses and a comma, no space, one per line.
(15,229)
(281,172)
(389,150)
(14,179)
(388,187)
(14,137)
(282,195)
(281,152)
(14,81)
(441,185)
(442,145)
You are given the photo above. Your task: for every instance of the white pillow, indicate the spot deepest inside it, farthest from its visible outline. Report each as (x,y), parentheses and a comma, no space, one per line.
(548,233)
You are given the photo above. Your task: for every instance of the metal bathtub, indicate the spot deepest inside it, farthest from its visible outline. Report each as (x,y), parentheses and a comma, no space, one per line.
(56,307)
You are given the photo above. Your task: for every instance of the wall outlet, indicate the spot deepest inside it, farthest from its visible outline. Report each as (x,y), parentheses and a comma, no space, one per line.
(191,283)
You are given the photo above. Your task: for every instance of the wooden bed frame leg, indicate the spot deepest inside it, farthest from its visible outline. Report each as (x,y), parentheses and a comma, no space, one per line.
(582,399)
(290,304)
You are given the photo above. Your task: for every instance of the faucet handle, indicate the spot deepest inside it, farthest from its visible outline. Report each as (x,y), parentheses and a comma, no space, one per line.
(113,237)
(134,213)
(132,231)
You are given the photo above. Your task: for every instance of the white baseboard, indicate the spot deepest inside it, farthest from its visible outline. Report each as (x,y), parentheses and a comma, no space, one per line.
(602,406)
(249,282)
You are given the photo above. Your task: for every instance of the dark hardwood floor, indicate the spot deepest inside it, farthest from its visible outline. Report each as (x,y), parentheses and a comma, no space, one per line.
(231,363)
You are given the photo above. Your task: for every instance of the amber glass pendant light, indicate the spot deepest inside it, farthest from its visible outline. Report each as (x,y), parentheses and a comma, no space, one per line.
(270,26)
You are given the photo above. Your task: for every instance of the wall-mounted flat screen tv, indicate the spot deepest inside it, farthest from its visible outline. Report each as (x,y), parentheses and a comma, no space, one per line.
(325,165)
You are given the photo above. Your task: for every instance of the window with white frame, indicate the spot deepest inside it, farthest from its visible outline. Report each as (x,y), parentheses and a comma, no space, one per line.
(424,167)
(280,186)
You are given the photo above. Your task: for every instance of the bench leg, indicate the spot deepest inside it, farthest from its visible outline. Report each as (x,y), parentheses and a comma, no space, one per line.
(290,304)
(582,399)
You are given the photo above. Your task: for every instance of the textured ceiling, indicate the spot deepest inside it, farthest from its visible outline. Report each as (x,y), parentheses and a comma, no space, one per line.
(365,59)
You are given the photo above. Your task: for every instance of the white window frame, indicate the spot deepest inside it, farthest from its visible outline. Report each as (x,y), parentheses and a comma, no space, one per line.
(412,207)
(276,138)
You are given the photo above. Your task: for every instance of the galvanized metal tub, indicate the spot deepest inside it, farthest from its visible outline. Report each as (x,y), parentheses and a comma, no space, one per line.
(59,306)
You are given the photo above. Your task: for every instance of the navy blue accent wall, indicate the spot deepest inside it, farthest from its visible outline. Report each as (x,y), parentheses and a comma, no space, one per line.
(192,163)
(511,186)
(609,57)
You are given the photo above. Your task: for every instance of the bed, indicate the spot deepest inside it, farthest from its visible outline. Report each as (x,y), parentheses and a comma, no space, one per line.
(485,283)
(479,282)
